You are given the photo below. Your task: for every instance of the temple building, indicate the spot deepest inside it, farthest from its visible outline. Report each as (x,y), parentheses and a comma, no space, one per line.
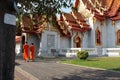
(92,25)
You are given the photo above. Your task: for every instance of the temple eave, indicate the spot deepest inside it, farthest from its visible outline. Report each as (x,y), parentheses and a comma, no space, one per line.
(99,17)
(77,29)
(115,18)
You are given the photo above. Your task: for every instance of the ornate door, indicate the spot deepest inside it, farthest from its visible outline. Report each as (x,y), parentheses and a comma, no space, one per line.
(50,42)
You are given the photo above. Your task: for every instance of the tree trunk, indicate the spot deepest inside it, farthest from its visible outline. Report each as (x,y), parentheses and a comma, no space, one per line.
(7,44)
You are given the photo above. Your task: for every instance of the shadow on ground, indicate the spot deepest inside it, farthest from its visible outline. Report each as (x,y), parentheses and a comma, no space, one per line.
(92,75)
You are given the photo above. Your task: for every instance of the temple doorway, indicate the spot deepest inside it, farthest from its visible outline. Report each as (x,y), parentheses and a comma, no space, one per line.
(77,42)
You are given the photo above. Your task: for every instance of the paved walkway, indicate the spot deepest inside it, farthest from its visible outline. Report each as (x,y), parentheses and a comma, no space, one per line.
(51,69)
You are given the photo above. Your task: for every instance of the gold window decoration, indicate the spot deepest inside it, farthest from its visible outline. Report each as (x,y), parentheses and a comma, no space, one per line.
(98,37)
(77,41)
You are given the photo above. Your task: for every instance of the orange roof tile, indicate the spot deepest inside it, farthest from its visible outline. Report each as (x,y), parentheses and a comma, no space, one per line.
(74,25)
(29,27)
(68,17)
(78,16)
(76,3)
(104,8)
(99,17)
(108,4)
(70,21)
(79,19)
(117,17)
(77,29)
(114,8)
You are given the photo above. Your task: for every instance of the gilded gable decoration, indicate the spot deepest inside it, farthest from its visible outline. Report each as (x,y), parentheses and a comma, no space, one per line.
(113,23)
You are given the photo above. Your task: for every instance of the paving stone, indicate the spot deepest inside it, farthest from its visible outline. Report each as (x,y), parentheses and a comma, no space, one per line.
(51,69)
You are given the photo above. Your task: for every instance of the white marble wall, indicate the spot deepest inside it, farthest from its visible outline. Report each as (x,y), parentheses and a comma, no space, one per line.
(85,40)
(65,42)
(108,34)
(103,34)
(110,38)
(91,33)
(44,51)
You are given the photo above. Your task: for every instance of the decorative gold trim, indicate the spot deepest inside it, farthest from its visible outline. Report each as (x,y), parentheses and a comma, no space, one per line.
(117,38)
(101,23)
(75,40)
(97,31)
(113,23)
(94,20)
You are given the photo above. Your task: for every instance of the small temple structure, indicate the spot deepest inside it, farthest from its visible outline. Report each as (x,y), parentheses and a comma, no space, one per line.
(92,25)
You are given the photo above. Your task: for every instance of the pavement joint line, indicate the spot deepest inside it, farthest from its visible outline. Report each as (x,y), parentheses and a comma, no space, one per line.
(28,75)
(90,67)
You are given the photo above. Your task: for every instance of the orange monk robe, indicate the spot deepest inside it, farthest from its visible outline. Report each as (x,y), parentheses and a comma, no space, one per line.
(25,54)
(32,50)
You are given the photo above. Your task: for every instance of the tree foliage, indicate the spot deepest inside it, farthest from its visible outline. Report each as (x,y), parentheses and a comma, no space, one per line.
(43,7)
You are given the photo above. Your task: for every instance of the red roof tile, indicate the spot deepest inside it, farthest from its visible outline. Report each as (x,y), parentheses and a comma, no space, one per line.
(76,3)
(114,8)
(117,17)
(70,21)
(68,17)
(104,8)
(108,4)
(79,19)
(78,16)
(77,29)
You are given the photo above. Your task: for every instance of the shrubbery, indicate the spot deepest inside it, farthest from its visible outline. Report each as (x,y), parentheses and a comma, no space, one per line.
(82,54)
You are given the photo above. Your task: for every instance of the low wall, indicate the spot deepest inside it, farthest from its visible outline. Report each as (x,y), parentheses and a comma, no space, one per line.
(71,52)
(111,52)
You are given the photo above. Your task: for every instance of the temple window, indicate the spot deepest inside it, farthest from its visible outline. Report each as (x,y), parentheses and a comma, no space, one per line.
(98,37)
(118,37)
(77,42)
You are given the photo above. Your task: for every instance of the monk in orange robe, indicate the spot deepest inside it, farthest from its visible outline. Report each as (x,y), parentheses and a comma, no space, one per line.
(25,54)
(32,51)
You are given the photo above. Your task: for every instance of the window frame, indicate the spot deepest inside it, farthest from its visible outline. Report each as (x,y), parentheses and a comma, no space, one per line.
(98,37)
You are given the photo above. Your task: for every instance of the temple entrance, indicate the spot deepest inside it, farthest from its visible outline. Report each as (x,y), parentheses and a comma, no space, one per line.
(98,37)
(50,42)
(77,42)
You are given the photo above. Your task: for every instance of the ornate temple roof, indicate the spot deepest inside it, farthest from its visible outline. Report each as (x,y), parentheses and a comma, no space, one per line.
(79,19)
(73,21)
(29,27)
(102,9)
